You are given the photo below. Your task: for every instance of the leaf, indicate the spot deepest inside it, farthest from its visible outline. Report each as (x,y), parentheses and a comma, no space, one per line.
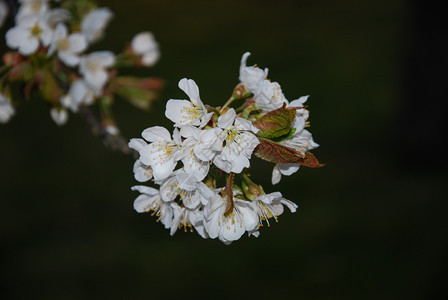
(229,194)
(23,71)
(48,85)
(276,122)
(280,154)
(139,92)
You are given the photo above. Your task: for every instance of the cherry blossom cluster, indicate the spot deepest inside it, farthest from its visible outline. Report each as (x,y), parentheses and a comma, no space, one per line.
(50,40)
(202,166)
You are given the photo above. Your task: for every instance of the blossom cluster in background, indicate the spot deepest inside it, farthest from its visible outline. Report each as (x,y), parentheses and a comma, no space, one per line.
(202,166)
(50,40)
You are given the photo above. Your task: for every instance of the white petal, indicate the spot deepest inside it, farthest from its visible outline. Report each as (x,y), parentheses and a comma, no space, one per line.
(143,189)
(291,205)
(298,102)
(276,175)
(169,190)
(137,144)
(143,42)
(186,181)
(15,36)
(190,132)
(182,113)
(226,120)
(59,116)
(69,58)
(78,42)
(142,203)
(28,46)
(142,172)
(150,58)
(190,88)
(288,168)
(156,133)
(248,215)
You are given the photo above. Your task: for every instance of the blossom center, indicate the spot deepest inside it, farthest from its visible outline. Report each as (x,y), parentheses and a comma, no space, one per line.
(63,44)
(190,113)
(36,30)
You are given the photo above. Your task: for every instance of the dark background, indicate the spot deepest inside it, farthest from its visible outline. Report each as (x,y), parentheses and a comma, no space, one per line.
(371,224)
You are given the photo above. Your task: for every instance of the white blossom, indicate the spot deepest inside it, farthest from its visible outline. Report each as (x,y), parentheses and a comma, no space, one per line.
(238,140)
(145,45)
(191,192)
(28,33)
(31,7)
(59,115)
(271,206)
(6,109)
(184,112)
(231,227)
(93,67)
(78,94)
(196,156)
(149,200)
(162,153)
(251,76)
(95,22)
(188,219)
(269,96)
(69,47)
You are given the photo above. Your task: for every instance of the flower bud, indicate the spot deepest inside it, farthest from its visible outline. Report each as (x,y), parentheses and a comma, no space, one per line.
(251,190)
(241,92)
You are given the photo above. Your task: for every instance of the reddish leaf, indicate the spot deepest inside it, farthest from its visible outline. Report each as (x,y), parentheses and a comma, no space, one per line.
(280,154)
(229,194)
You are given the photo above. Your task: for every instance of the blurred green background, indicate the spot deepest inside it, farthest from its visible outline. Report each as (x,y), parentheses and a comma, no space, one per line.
(371,224)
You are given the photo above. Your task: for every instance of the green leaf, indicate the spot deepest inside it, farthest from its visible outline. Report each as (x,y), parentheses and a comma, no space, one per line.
(48,86)
(276,123)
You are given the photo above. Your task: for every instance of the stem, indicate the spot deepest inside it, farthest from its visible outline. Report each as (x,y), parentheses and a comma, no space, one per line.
(227,103)
(5,68)
(117,143)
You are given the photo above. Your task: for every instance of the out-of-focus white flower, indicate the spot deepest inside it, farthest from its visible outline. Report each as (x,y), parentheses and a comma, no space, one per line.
(95,22)
(162,153)
(69,47)
(231,227)
(184,112)
(145,45)
(251,76)
(28,33)
(59,115)
(31,7)
(3,12)
(78,94)
(149,200)
(93,67)
(238,140)
(6,109)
